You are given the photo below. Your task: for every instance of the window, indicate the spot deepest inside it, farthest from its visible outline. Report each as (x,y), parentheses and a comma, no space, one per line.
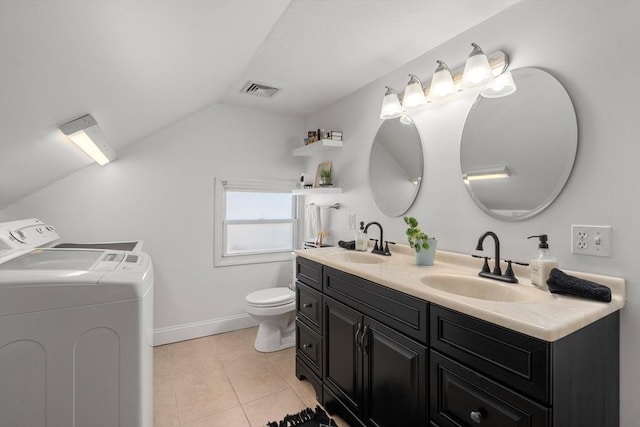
(255,221)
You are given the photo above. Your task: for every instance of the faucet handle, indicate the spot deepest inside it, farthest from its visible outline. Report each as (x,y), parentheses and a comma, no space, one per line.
(485,265)
(386,247)
(375,245)
(509,271)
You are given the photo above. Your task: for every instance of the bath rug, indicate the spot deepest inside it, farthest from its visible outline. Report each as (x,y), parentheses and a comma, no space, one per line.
(305,418)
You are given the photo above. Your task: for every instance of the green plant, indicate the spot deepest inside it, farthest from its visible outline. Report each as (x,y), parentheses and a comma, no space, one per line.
(325,173)
(416,237)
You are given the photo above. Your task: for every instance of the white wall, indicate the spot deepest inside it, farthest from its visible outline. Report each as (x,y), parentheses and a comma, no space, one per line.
(161,190)
(592,49)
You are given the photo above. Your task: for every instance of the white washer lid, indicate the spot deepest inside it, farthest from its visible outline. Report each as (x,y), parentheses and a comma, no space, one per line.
(272,297)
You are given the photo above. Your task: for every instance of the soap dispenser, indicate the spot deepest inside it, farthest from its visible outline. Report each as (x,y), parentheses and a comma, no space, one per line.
(362,242)
(542,263)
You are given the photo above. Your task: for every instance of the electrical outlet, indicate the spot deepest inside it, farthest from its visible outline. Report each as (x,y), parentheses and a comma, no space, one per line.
(591,240)
(352,221)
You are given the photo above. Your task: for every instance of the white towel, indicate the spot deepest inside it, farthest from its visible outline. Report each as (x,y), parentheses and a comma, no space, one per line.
(312,222)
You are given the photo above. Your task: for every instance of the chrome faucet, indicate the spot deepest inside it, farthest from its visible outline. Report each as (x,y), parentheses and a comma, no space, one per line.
(383,248)
(497,271)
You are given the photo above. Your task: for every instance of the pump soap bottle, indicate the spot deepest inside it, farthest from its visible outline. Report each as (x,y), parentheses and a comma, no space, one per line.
(362,242)
(542,263)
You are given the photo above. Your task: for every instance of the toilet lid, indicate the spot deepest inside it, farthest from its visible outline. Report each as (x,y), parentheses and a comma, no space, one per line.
(271,297)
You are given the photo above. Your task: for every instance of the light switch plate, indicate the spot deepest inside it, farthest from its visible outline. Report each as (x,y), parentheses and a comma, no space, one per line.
(352,221)
(591,240)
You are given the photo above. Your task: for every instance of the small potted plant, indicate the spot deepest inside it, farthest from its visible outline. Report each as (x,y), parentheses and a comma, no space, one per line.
(424,245)
(325,178)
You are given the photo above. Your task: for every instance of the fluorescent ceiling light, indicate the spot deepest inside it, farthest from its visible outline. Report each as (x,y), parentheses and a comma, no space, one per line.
(491,173)
(86,134)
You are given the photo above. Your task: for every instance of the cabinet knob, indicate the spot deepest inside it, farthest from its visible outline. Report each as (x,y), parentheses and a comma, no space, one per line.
(476,416)
(307,305)
(305,346)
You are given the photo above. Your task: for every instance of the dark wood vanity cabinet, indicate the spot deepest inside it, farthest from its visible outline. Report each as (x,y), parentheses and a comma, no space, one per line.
(309,324)
(481,373)
(378,357)
(377,374)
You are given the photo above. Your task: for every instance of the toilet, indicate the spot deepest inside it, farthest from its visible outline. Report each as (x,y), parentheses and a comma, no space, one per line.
(275,309)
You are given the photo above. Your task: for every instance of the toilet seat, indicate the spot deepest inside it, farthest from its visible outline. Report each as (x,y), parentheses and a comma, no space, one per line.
(273,297)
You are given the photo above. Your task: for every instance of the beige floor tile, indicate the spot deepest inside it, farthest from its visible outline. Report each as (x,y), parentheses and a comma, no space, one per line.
(275,356)
(241,361)
(307,393)
(230,341)
(273,407)
(195,405)
(287,369)
(233,417)
(256,384)
(165,414)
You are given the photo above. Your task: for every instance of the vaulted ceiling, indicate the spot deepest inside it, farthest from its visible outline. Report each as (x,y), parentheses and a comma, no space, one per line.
(140,65)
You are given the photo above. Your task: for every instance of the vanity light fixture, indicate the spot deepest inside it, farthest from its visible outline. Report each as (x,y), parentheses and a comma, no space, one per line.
(489,173)
(391,107)
(446,82)
(86,134)
(406,119)
(442,82)
(503,85)
(477,70)
(414,93)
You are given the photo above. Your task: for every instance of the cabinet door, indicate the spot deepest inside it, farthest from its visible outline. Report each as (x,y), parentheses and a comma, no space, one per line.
(394,377)
(343,355)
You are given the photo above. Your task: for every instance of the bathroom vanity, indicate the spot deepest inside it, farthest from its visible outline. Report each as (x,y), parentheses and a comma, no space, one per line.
(387,343)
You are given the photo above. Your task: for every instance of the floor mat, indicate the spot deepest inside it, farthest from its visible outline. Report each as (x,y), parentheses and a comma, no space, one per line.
(305,418)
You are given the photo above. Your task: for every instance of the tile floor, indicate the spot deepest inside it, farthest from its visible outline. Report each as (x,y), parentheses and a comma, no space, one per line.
(221,380)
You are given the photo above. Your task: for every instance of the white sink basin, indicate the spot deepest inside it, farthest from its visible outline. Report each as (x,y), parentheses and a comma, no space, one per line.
(359,257)
(484,289)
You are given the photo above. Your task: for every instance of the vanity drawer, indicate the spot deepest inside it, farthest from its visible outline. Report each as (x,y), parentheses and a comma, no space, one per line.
(462,397)
(309,307)
(404,313)
(512,358)
(309,272)
(309,347)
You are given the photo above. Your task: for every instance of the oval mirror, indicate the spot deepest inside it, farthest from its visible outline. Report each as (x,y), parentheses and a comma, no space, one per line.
(395,166)
(517,151)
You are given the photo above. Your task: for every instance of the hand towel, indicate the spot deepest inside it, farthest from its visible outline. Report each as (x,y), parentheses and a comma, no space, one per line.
(561,283)
(351,245)
(312,224)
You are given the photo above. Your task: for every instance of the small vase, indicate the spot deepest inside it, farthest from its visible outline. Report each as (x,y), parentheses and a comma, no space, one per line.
(426,257)
(325,181)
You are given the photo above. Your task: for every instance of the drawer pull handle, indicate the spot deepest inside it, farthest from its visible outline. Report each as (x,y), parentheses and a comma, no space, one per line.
(305,346)
(476,417)
(307,305)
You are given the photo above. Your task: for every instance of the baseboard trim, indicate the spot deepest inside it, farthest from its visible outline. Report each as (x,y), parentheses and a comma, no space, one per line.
(189,331)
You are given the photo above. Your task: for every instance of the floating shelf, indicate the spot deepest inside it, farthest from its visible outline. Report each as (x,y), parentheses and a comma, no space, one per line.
(317,147)
(321,190)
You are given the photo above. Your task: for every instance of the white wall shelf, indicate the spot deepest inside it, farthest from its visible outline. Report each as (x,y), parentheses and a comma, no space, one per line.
(321,190)
(317,147)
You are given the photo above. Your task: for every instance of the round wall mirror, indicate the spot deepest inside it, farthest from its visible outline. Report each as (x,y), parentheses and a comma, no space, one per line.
(395,167)
(517,151)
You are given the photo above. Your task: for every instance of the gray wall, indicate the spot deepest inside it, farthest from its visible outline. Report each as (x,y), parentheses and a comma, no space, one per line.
(161,191)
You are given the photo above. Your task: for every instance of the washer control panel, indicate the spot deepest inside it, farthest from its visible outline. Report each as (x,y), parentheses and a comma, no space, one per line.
(26,234)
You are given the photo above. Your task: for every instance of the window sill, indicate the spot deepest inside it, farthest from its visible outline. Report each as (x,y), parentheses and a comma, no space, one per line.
(253,259)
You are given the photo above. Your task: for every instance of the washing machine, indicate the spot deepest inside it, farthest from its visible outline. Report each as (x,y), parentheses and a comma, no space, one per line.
(76,328)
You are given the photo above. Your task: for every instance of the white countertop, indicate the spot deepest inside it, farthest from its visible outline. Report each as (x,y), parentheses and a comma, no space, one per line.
(542,315)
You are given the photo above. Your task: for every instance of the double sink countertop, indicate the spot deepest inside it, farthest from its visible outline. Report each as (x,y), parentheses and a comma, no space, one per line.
(453,282)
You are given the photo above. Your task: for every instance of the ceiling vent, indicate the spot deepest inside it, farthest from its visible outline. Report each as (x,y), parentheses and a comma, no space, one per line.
(258,89)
